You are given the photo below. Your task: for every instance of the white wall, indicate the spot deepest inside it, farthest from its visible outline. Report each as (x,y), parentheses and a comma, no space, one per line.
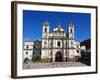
(5,39)
(28,55)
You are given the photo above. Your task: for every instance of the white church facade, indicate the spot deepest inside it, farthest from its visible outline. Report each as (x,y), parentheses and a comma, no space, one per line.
(59,46)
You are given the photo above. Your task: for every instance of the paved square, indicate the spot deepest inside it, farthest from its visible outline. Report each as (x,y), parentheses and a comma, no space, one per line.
(31,65)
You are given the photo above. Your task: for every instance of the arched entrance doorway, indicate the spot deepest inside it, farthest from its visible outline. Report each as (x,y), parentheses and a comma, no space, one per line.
(58,57)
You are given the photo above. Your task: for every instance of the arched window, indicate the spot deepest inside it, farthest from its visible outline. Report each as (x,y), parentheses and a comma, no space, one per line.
(77,51)
(33,46)
(33,52)
(27,47)
(70,30)
(45,30)
(45,43)
(26,52)
(58,43)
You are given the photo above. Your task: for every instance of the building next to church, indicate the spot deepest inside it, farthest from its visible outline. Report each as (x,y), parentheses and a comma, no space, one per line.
(59,46)
(32,50)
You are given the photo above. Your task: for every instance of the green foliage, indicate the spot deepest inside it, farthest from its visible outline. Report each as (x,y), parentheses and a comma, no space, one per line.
(85,54)
(37,58)
(43,60)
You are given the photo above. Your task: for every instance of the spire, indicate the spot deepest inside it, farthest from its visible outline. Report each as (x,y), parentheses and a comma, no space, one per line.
(71,24)
(46,23)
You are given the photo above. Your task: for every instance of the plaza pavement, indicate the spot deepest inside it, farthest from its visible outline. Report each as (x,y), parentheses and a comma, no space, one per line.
(32,65)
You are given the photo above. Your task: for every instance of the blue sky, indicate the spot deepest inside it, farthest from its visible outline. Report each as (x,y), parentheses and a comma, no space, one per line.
(33,23)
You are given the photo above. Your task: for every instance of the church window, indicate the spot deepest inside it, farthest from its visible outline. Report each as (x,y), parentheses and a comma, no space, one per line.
(77,51)
(33,52)
(45,30)
(58,43)
(27,47)
(44,42)
(70,30)
(40,52)
(71,42)
(34,46)
(26,52)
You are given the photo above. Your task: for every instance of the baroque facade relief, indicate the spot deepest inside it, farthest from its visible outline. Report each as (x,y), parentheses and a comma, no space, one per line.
(59,46)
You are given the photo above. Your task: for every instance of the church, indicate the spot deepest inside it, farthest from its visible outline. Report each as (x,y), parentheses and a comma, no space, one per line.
(55,46)
(59,46)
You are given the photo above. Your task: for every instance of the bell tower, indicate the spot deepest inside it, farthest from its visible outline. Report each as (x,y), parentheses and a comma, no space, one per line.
(71,47)
(45,33)
(71,30)
(71,35)
(45,40)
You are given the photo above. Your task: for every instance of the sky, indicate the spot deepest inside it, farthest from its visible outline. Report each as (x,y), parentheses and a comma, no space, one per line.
(33,23)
